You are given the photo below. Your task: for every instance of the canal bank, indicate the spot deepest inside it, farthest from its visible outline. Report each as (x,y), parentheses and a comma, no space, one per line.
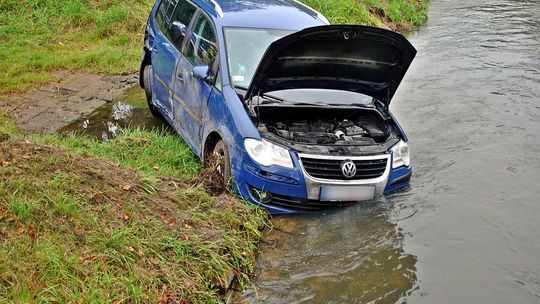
(113,220)
(467,229)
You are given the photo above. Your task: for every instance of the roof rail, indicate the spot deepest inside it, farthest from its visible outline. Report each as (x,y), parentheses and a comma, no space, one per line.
(218,9)
(319,15)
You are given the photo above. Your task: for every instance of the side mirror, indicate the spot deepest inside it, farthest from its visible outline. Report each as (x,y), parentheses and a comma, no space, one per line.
(202,72)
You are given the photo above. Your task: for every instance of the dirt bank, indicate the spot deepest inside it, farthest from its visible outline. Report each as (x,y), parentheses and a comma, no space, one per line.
(79,229)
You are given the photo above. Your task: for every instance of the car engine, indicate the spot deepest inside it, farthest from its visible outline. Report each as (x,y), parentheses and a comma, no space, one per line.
(328,131)
(327,126)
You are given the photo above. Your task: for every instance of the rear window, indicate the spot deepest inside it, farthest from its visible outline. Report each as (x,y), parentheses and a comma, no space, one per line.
(164,13)
(170,7)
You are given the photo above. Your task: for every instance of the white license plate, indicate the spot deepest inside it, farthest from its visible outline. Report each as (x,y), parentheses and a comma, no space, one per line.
(347,193)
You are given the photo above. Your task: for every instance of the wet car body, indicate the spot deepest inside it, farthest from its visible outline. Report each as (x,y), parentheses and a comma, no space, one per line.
(285,153)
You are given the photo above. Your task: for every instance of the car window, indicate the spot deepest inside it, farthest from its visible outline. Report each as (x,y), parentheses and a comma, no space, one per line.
(170,8)
(245,49)
(164,13)
(180,21)
(202,48)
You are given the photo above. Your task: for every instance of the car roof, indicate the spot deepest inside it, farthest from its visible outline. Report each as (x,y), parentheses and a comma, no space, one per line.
(271,14)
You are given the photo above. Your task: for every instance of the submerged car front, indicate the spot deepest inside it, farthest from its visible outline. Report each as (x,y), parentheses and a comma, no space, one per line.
(319,102)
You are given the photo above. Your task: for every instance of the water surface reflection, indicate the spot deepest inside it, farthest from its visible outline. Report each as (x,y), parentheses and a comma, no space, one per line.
(353,255)
(468,230)
(128,110)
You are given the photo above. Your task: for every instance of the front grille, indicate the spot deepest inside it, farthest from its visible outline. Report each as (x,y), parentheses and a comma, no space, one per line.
(332,168)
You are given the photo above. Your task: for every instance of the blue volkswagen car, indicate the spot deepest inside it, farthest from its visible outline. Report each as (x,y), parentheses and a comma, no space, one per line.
(293,112)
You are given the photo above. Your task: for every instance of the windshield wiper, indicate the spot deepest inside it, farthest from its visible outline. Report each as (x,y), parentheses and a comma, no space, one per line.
(314,104)
(242,96)
(240,87)
(271,99)
(359,105)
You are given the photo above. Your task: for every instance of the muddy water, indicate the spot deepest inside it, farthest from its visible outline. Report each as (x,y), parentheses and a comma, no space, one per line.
(128,110)
(468,230)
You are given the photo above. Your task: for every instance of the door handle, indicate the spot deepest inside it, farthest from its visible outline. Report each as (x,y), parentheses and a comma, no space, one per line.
(180,77)
(155,49)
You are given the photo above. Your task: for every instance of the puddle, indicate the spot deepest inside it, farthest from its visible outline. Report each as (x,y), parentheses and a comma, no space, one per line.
(51,107)
(128,110)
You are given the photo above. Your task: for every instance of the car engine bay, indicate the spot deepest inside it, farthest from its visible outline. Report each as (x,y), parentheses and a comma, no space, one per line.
(325,126)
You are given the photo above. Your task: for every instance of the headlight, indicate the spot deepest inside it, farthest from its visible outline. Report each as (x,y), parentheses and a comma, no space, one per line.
(401,156)
(267,154)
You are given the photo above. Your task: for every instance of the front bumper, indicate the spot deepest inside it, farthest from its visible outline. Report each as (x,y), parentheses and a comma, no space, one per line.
(288,191)
(314,185)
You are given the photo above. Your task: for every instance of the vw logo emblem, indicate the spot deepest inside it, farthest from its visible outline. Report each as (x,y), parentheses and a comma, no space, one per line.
(349,169)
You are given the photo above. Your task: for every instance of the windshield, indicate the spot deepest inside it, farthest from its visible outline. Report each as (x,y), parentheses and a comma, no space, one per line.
(245,49)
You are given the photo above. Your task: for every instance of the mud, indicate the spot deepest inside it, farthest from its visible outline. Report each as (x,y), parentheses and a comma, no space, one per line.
(3,136)
(55,105)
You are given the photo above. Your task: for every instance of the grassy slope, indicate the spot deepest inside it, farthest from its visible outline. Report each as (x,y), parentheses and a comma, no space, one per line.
(74,228)
(400,15)
(69,229)
(39,36)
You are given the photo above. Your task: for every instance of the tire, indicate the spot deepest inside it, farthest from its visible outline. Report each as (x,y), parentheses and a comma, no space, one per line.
(220,159)
(147,81)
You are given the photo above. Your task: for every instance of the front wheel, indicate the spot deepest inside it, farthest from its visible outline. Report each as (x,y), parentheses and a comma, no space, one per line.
(147,81)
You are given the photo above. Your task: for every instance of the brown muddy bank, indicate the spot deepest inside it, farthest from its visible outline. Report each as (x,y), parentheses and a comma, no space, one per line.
(73,227)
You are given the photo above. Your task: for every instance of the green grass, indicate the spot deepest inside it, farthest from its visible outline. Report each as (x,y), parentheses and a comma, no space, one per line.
(148,151)
(6,127)
(344,11)
(77,229)
(41,36)
(401,15)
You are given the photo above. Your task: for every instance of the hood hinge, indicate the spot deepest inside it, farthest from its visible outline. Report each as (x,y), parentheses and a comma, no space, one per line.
(382,107)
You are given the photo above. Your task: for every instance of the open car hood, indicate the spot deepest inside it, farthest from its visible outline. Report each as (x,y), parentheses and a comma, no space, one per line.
(361,59)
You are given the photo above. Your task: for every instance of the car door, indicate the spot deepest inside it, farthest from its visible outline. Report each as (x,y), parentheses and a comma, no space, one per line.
(177,30)
(192,94)
(164,58)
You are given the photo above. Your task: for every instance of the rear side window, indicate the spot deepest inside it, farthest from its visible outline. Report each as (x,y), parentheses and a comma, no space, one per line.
(180,22)
(202,48)
(170,7)
(164,13)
